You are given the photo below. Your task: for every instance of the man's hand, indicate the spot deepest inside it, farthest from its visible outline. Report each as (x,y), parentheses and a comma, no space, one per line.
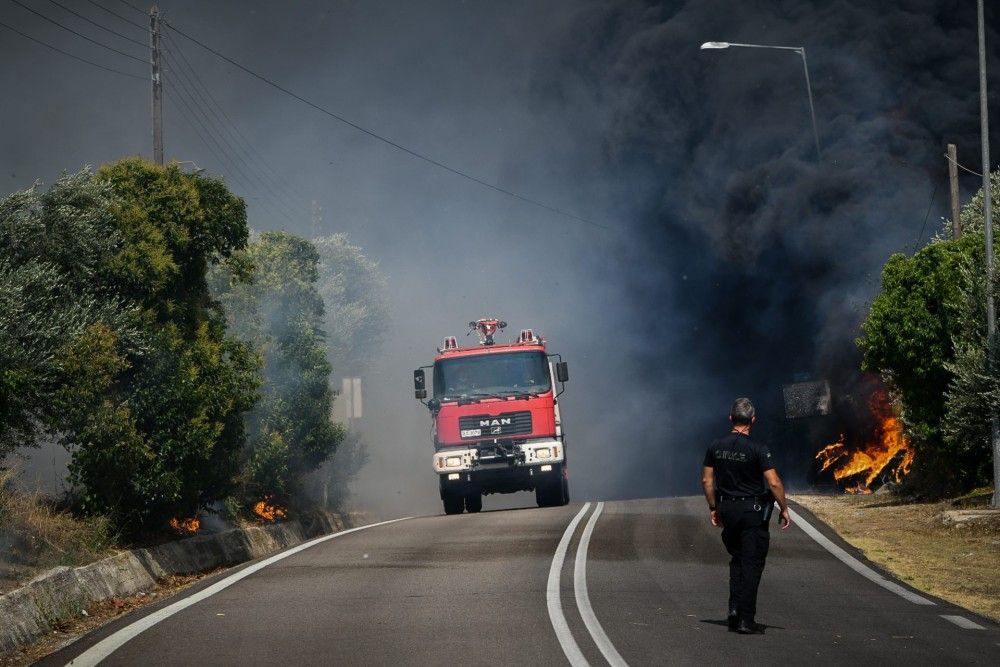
(786,519)
(716,520)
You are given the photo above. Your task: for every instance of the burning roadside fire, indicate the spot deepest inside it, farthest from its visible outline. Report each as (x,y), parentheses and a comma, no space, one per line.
(188,526)
(265,510)
(887,456)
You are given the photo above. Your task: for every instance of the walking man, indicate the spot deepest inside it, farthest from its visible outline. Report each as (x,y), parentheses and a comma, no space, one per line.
(734,477)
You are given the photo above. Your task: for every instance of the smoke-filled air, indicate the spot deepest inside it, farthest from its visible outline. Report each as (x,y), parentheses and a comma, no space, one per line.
(695,241)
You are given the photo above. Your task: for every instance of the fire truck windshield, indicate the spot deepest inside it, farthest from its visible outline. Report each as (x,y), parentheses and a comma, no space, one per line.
(501,374)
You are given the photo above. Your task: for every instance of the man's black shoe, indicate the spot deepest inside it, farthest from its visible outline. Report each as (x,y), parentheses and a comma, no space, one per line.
(734,619)
(750,628)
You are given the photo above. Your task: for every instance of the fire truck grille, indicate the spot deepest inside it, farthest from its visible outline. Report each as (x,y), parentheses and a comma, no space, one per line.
(508,423)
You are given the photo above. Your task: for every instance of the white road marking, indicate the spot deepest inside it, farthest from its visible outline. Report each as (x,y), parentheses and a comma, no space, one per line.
(962,622)
(552,595)
(608,649)
(113,642)
(856,565)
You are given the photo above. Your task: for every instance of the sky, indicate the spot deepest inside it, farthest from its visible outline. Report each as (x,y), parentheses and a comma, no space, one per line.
(717,256)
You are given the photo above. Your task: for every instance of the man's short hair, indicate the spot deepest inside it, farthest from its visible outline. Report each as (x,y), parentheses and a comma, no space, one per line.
(742,412)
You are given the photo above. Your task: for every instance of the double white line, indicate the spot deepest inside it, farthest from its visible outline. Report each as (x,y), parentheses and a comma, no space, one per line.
(554,599)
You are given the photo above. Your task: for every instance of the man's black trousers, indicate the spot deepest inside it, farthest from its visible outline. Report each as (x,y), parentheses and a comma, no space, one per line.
(746,538)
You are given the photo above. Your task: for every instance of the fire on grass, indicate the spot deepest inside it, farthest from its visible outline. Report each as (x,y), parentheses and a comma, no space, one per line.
(186,526)
(268,511)
(883,456)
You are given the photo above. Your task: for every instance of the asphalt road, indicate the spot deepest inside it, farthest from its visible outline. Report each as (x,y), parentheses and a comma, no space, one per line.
(641,582)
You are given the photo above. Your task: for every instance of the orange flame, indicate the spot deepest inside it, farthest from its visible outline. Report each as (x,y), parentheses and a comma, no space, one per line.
(888,452)
(265,510)
(185,525)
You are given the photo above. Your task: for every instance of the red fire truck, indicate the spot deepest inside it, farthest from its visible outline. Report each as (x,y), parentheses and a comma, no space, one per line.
(496,422)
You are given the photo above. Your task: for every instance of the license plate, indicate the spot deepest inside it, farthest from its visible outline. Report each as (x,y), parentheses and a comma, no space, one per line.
(471,432)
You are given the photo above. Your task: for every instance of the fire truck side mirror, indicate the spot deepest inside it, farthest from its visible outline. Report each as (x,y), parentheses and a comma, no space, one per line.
(419,384)
(562,371)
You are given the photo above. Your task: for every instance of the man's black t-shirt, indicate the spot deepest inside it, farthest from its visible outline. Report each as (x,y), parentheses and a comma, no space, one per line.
(739,464)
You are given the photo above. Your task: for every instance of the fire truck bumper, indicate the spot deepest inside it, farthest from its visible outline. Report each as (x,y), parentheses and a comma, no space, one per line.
(531,454)
(474,470)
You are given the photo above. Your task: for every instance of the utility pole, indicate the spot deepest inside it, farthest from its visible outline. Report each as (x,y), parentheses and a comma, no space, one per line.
(991,315)
(956,204)
(154,62)
(316,221)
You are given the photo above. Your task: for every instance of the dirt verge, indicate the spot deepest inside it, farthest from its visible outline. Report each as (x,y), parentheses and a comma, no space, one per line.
(946,549)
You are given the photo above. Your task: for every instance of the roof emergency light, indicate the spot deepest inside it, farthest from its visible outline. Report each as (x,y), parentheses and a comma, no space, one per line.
(450,343)
(527,336)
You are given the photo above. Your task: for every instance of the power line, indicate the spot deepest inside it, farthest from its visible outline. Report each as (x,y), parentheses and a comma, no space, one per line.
(226,124)
(224,145)
(95,23)
(385,140)
(926,215)
(80,35)
(119,16)
(221,143)
(132,7)
(198,126)
(961,166)
(73,56)
(248,147)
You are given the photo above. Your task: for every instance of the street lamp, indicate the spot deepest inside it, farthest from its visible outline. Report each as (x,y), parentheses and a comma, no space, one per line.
(991,316)
(801,50)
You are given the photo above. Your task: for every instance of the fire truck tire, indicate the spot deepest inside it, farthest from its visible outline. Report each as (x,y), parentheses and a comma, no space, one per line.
(453,504)
(554,494)
(473,503)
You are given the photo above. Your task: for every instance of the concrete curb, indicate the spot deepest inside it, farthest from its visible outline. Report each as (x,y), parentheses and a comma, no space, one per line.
(32,610)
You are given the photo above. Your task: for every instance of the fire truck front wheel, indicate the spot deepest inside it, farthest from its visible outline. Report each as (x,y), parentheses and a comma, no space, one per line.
(453,503)
(554,493)
(473,503)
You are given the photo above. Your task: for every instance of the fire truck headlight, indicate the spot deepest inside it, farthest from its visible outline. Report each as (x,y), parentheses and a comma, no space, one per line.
(543,453)
(454,476)
(453,461)
(546,468)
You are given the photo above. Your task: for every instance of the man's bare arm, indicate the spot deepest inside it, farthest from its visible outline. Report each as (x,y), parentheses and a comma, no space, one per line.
(778,489)
(708,485)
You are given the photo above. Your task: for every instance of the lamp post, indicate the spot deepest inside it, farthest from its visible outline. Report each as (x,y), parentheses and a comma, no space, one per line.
(801,50)
(991,317)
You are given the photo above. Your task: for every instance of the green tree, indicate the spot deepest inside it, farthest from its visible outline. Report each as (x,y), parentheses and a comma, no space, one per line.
(281,313)
(357,305)
(109,337)
(925,333)
(55,253)
(175,431)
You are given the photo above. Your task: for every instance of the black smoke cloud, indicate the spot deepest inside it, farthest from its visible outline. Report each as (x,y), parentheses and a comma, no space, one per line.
(758,259)
(735,261)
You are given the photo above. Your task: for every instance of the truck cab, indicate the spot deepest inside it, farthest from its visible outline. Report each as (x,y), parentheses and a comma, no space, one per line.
(496,422)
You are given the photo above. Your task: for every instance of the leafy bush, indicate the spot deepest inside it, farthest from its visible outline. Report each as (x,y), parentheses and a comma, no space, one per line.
(925,333)
(280,312)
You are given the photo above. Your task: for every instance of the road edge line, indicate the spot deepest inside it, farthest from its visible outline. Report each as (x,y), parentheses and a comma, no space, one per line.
(116,640)
(600,638)
(856,565)
(962,622)
(553,598)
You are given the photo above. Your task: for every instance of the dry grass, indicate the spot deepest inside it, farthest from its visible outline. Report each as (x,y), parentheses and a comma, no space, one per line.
(960,564)
(36,536)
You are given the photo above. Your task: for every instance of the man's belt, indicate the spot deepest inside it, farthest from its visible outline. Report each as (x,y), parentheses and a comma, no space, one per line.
(757,499)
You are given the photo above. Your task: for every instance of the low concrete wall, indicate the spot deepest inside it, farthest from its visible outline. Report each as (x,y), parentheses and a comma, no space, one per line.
(61,593)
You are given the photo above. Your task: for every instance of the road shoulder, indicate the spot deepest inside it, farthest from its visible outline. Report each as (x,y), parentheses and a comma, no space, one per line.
(913,545)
